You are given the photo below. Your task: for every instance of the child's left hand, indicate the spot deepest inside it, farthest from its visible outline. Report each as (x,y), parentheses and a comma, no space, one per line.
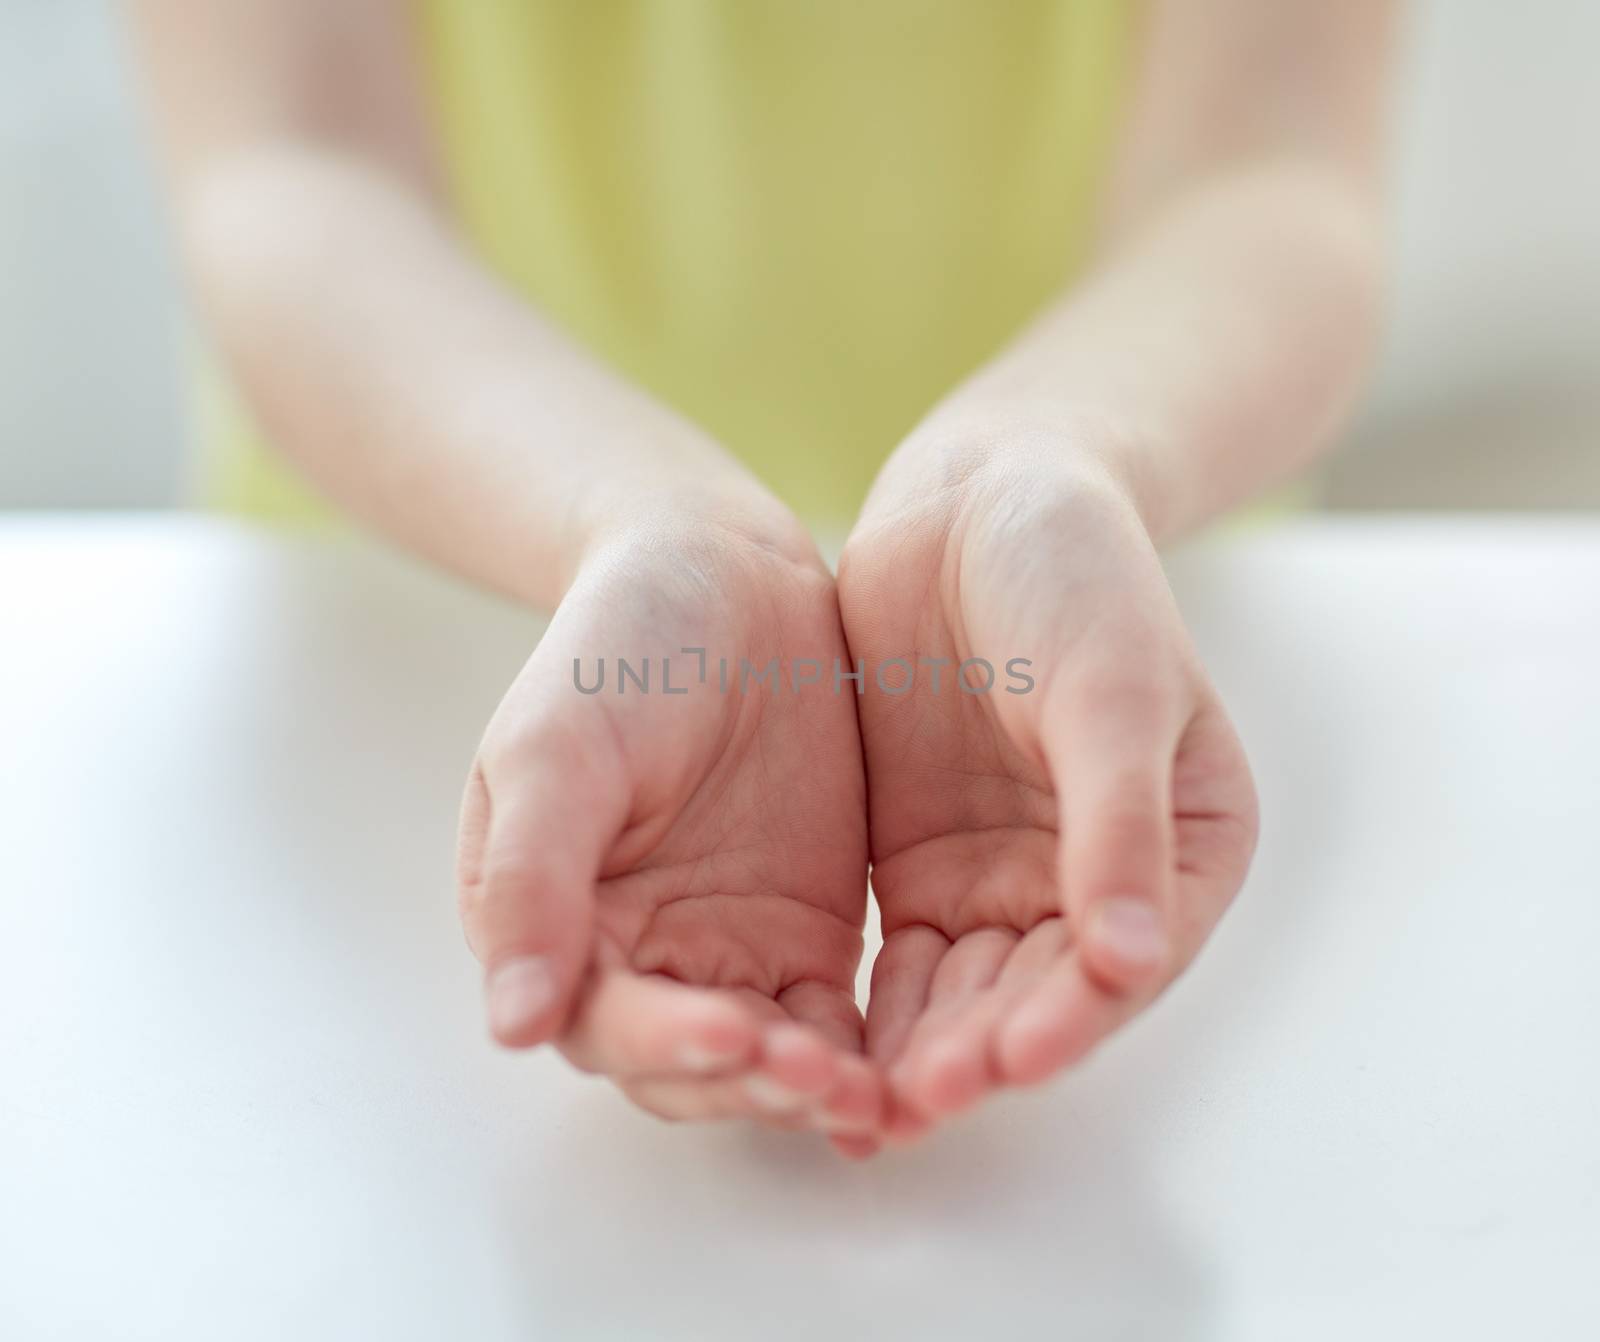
(1045,862)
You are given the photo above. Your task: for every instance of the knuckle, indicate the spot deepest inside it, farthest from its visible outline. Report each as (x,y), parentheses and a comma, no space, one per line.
(1126,827)
(1122,694)
(515,870)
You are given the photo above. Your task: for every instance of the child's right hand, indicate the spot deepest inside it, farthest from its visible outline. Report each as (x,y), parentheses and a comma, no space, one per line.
(672,886)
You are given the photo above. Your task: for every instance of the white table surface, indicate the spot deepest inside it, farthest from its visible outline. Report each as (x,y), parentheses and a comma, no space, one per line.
(245,1093)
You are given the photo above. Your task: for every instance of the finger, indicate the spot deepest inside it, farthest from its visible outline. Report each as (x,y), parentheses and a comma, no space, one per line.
(902,975)
(632,1025)
(1110,753)
(797,1069)
(949,1072)
(944,1066)
(963,1066)
(903,1125)
(532,840)
(689,1100)
(1068,1010)
(797,1080)
(853,1099)
(828,1009)
(855,1103)
(971,964)
(1059,1020)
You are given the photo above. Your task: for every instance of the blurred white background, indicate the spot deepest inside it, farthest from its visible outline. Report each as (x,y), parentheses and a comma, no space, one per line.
(1488,393)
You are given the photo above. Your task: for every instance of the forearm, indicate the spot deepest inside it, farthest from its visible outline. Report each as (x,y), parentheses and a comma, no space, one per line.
(1211,353)
(422,396)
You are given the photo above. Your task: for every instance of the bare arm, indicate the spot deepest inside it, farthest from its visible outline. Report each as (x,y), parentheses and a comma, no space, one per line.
(1223,330)
(399,375)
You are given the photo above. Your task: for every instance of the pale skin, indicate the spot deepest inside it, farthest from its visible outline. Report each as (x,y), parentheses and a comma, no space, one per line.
(674,898)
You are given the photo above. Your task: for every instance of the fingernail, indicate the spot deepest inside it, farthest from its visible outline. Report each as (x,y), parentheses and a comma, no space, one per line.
(773,1096)
(699,1058)
(1130,930)
(519,992)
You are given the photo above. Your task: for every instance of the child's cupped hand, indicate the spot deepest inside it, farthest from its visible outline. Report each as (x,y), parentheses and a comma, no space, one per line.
(1046,859)
(670,887)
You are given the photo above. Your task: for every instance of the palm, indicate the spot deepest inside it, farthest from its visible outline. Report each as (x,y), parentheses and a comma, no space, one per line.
(742,867)
(965,813)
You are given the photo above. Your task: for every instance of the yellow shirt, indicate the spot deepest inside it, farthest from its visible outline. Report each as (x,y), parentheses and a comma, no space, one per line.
(797,221)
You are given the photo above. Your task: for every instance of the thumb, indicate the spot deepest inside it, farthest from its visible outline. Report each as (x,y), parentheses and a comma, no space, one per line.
(1111,764)
(534,833)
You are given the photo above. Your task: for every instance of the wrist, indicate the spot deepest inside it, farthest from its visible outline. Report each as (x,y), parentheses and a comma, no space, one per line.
(963,460)
(703,517)
(707,571)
